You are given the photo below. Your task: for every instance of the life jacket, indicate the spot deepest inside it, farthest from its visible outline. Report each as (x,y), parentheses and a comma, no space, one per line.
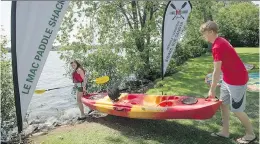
(76,77)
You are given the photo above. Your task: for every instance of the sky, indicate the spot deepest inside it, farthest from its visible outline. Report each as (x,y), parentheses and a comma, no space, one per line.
(6,17)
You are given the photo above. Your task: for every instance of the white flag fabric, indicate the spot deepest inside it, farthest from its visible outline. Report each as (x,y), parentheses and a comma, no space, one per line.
(34,27)
(174,20)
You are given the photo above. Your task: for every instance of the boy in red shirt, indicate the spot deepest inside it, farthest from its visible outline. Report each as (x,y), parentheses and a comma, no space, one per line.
(234,84)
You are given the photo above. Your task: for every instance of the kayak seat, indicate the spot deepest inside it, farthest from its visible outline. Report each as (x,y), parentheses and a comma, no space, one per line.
(167,101)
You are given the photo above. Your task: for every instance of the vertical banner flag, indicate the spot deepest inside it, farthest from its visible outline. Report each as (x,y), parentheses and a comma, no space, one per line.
(174,20)
(34,26)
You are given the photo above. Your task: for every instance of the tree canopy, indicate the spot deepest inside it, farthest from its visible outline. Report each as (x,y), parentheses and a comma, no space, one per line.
(118,38)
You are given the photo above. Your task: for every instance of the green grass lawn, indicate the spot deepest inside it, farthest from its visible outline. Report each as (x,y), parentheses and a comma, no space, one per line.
(189,81)
(247,50)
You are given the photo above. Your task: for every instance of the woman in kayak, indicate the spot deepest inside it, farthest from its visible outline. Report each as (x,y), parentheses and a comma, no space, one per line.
(80,82)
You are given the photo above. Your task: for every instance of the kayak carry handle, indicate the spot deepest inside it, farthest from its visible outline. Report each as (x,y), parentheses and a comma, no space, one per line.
(121,109)
(207,98)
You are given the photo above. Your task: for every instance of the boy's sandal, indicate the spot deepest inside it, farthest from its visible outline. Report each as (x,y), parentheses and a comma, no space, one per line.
(242,140)
(218,135)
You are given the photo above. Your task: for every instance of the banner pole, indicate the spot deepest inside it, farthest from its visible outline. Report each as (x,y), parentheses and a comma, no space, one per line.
(162,64)
(14,68)
(162,68)
(174,19)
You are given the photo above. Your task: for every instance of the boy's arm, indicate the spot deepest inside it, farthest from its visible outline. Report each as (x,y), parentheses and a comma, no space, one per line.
(216,75)
(217,56)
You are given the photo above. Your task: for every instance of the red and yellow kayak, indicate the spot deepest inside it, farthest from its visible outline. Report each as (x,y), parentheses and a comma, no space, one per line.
(143,106)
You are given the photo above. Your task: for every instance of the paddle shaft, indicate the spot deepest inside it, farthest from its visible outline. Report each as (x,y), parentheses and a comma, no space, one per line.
(100,80)
(58,88)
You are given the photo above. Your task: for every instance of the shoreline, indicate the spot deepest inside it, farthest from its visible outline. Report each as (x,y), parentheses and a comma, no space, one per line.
(37,127)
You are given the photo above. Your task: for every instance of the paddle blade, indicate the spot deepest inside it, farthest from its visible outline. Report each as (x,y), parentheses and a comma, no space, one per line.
(39,91)
(102,80)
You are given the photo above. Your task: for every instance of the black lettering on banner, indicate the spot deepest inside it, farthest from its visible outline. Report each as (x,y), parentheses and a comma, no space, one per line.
(40,53)
(61,2)
(27,88)
(57,12)
(30,78)
(49,31)
(179,30)
(33,71)
(173,35)
(42,47)
(44,40)
(174,39)
(52,23)
(54,17)
(33,65)
(59,5)
(37,57)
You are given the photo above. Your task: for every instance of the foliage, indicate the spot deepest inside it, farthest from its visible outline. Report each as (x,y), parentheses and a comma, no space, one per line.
(190,82)
(186,51)
(130,28)
(133,28)
(201,12)
(99,62)
(7,98)
(239,23)
(240,27)
(193,45)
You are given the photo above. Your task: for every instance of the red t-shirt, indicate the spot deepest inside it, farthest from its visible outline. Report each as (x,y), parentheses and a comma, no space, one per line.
(233,69)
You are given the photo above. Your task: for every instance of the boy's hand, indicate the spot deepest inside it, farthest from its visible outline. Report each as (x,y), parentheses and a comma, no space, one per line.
(84,91)
(212,93)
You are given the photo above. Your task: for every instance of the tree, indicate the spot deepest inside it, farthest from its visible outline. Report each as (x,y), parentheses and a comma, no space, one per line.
(193,45)
(132,28)
(239,22)
(7,97)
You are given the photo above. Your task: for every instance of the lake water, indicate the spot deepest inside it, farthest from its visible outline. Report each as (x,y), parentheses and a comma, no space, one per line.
(56,106)
(52,103)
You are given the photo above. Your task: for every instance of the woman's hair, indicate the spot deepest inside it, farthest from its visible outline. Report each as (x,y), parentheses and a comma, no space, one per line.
(78,65)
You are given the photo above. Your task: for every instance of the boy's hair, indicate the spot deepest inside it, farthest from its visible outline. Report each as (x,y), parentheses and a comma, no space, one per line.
(209,26)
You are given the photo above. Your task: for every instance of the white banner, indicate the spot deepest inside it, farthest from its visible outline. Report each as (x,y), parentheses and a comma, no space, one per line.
(37,24)
(175,17)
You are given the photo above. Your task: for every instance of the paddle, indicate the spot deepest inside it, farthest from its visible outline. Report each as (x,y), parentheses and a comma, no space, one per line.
(100,80)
